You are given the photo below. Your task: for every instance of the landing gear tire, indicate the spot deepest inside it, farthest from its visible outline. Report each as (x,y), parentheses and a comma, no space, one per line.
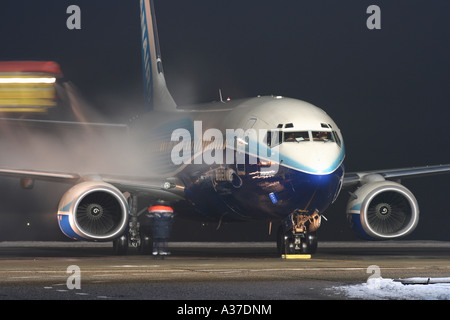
(146,245)
(290,243)
(311,242)
(120,245)
(280,242)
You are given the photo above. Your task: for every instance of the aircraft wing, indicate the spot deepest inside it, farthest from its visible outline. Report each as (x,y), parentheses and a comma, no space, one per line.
(354,178)
(167,188)
(40,175)
(170,188)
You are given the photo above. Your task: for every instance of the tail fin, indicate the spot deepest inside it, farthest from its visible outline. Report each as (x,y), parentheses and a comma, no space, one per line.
(157,96)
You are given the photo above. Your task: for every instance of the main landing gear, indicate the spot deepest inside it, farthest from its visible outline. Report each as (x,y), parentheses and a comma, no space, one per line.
(139,234)
(136,236)
(298,233)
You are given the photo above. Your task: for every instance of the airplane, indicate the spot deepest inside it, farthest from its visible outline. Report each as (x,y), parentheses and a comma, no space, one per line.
(264,158)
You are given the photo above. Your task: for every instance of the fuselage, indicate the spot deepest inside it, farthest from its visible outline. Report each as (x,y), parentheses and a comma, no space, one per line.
(289,158)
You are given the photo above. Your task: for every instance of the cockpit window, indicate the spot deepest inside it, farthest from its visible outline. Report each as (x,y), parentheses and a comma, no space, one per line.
(277,137)
(337,139)
(296,136)
(273,138)
(324,136)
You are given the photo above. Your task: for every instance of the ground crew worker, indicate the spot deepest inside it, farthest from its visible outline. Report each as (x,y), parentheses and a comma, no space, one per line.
(161,217)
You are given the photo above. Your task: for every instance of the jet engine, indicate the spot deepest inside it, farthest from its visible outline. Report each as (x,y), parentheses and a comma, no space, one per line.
(93,210)
(383,210)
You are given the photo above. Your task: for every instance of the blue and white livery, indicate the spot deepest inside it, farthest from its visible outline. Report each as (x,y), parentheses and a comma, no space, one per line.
(290,172)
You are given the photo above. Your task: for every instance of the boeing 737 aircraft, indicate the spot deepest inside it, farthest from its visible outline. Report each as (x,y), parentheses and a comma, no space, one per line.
(266,158)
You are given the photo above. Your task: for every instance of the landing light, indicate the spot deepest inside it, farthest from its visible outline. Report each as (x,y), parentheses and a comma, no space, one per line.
(168,185)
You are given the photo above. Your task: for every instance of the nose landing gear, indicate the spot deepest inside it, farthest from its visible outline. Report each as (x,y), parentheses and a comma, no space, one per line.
(297,234)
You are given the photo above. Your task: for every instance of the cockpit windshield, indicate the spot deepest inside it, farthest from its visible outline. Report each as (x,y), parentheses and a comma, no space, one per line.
(324,136)
(277,137)
(296,136)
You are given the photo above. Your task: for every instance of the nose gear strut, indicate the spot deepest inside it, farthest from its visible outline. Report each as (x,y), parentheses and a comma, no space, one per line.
(297,234)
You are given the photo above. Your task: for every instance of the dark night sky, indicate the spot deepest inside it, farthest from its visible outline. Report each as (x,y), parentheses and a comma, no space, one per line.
(388,90)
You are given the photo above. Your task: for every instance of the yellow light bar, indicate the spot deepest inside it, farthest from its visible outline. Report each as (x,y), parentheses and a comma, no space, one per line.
(20,110)
(28,102)
(48,80)
(296,256)
(27,86)
(27,93)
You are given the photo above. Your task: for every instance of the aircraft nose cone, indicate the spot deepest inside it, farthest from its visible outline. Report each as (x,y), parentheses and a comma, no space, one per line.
(315,158)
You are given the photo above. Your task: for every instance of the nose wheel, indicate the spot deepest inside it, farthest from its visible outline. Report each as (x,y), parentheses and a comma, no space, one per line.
(291,242)
(297,234)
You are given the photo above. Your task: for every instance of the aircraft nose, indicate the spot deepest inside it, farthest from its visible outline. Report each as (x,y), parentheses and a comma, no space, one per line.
(323,162)
(315,158)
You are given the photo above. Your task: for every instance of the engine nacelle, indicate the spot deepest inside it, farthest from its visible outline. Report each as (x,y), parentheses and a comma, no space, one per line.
(383,210)
(93,210)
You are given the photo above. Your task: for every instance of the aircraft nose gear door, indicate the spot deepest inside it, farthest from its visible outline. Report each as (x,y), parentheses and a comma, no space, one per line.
(297,234)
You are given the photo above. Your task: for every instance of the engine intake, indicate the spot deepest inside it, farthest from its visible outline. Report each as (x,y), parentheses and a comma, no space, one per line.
(383,210)
(93,211)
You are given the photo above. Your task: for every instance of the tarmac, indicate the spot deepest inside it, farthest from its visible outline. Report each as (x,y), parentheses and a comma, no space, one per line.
(209,271)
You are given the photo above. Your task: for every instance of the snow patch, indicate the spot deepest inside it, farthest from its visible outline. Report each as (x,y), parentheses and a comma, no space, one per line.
(389,289)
